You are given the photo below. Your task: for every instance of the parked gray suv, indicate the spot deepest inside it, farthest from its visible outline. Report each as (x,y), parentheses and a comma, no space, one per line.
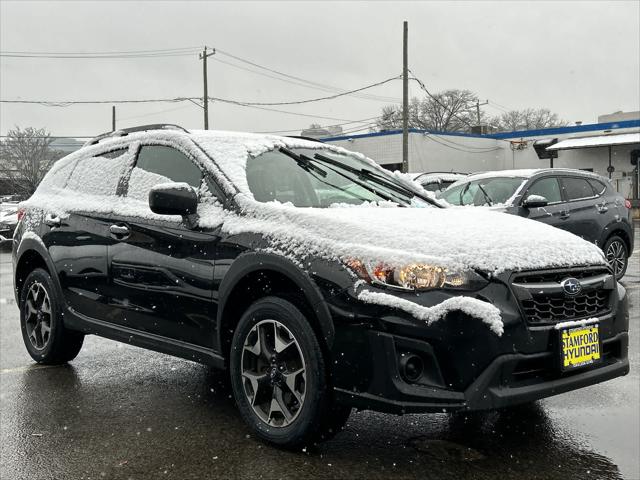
(580,202)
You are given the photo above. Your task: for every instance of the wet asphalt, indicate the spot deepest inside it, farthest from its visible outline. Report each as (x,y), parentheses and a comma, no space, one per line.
(121,412)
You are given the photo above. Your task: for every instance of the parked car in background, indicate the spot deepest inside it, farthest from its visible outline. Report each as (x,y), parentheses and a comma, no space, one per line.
(314,276)
(8,220)
(437,181)
(580,202)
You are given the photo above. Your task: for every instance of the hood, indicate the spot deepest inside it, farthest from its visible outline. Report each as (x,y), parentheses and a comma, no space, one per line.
(456,238)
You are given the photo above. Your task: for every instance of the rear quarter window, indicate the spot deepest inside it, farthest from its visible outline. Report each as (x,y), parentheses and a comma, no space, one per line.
(598,187)
(99,175)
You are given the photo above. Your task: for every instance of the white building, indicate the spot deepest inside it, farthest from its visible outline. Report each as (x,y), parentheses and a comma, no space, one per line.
(594,147)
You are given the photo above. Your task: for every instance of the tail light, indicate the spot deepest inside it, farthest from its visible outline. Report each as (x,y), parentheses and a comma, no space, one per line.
(21,213)
(627,203)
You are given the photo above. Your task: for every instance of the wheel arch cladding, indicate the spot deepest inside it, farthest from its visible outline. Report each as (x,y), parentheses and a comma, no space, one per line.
(29,259)
(619,232)
(256,275)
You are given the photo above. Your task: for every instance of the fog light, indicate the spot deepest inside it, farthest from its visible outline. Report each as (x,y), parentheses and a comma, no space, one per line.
(411,367)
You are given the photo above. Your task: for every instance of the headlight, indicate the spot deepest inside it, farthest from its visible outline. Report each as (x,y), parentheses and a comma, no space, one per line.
(416,276)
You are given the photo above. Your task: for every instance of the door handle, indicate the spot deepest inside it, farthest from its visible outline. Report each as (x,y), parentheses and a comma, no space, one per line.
(119,231)
(565,214)
(52,220)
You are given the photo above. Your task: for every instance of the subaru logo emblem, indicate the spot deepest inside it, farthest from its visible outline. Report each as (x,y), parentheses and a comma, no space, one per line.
(571,286)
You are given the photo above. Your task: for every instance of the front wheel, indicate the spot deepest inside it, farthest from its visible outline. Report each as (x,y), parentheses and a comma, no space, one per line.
(617,254)
(279,376)
(43,332)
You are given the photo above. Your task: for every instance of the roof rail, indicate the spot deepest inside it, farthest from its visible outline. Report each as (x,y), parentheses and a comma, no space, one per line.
(311,139)
(142,128)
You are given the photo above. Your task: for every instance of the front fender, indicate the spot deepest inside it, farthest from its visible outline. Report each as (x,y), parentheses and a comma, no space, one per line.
(249,262)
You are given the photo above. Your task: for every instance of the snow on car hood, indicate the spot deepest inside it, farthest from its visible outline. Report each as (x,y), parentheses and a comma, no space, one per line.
(454,238)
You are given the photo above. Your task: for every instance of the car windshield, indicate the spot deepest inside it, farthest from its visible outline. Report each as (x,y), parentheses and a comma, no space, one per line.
(483,191)
(309,177)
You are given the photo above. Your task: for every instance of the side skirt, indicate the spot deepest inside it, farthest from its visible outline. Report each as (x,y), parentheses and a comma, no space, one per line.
(91,326)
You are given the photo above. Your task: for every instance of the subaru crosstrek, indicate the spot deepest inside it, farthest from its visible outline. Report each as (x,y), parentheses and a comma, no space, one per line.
(320,281)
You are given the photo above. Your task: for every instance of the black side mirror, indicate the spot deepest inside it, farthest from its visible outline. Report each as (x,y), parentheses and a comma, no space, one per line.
(173,199)
(534,201)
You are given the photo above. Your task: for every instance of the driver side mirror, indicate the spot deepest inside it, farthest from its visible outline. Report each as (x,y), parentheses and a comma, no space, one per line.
(173,199)
(534,201)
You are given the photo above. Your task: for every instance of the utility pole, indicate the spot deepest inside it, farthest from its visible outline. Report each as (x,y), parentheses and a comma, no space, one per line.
(113,118)
(405,98)
(478,105)
(205,99)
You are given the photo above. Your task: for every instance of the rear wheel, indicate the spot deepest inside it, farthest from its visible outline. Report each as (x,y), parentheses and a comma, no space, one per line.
(617,255)
(43,331)
(278,375)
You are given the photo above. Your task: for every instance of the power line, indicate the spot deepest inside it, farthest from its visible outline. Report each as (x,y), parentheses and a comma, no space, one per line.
(310,83)
(110,52)
(435,99)
(299,102)
(364,120)
(67,103)
(187,51)
(169,52)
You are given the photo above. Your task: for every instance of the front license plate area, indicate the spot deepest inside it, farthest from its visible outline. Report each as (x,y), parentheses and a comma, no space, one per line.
(580,347)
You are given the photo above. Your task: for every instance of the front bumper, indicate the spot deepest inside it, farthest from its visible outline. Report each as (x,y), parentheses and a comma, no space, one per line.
(466,366)
(510,379)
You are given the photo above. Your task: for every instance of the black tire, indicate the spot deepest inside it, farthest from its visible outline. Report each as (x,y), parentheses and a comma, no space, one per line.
(318,418)
(617,254)
(59,344)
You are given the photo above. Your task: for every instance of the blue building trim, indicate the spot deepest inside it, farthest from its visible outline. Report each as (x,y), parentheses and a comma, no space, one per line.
(503,135)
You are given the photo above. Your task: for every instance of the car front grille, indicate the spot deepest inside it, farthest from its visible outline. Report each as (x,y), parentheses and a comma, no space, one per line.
(543,301)
(551,309)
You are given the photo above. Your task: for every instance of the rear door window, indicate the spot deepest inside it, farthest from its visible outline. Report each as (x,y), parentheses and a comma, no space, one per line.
(161,164)
(548,188)
(577,188)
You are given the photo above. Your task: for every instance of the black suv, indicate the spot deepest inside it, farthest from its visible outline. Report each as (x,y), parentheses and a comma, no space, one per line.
(580,202)
(319,280)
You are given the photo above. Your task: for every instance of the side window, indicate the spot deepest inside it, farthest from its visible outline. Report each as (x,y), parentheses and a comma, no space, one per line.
(99,175)
(160,164)
(547,188)
(577,188)
(598,186)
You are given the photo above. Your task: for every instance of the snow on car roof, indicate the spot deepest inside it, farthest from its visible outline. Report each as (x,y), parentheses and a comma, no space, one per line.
(444,176)
(445,236)
(522,172)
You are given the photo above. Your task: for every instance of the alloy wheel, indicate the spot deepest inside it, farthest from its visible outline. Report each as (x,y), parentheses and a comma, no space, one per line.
(37,315)
(616,256)
(273,373)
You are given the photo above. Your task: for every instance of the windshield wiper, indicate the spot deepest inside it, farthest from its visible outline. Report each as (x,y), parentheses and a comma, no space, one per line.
(365,174)
(486,195)
(307,163)
(303,161)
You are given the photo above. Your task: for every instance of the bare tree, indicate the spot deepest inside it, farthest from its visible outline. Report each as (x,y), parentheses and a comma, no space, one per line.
(25,157)
(527,119)
(448,111)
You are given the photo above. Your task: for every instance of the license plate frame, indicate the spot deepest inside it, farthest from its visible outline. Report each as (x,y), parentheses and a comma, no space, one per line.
(580,346)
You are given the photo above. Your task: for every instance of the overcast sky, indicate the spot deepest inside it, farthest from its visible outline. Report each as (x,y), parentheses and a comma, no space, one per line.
(580,59)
